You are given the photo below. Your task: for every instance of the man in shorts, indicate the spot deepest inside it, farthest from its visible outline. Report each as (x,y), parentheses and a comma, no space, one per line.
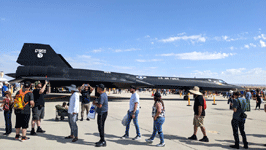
(23,116)
(199,114)
(85,91)
(38,109)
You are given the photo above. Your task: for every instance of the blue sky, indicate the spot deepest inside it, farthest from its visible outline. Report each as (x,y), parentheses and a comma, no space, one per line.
(210,39)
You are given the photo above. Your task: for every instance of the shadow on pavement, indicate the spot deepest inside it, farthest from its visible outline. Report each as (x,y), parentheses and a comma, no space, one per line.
(53,120)
(61,139)
(231,142)
(257,135)
(118,140)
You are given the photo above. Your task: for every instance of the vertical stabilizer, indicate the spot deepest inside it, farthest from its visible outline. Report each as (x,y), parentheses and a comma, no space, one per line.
(41,55)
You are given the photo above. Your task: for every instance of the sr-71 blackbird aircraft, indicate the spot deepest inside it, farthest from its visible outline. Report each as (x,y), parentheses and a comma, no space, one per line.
(40,62)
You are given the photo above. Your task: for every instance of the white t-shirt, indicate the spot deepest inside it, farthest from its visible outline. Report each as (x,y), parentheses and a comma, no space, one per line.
(134,99)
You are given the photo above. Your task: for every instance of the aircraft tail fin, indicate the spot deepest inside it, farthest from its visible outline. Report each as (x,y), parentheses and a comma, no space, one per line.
(41,55)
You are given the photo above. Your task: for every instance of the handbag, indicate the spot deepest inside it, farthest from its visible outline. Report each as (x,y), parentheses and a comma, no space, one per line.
(7,105)
(91,114)
(125,120)
(243,115)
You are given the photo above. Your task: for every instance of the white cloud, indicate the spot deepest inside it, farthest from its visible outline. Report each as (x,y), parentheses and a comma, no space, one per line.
(232,48)
(225,37)
(246,46)
(204,74)
(192,38)
(183,33)
(8,62)
(199,55)
(147,36)
(233,71)
(152,42)
(237,75)
(261,36)
(126,50)
(148,60)
(262,43)
(252,45)
(84,56)
(97,50)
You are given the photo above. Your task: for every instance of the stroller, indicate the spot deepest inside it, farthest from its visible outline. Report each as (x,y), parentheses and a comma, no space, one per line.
(60,111)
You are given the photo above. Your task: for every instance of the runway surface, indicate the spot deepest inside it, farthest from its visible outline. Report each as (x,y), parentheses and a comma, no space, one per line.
(177,127)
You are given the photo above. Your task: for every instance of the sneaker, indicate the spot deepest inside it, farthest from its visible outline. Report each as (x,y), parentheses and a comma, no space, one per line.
(97,142)
(39,130)
(101,144)
(24,139)
(234,146)
(75,139)
(246,146)
(6,134)
(88,119)
(193,137)
(124,136)
(160,145)
(204,139)
(137,137)
(81,119)
(32,132)
(17,137)
(149,141)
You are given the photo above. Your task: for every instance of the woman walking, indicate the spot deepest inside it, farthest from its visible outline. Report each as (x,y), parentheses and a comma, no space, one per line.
(158,114)
(258,99)
(8,102)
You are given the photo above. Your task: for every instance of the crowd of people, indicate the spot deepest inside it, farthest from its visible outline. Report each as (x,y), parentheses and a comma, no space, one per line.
(33,101)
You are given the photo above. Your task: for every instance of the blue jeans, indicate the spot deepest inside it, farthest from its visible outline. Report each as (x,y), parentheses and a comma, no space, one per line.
(72,119)
(135,120)
(157,127)
(8,115)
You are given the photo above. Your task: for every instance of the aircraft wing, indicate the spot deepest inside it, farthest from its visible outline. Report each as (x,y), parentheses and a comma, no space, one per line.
(83,80)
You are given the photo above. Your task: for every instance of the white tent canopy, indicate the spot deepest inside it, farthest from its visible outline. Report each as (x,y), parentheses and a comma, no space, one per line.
(3,79)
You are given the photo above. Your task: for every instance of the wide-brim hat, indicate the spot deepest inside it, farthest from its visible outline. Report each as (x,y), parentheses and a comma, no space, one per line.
(195,90)
(72,88)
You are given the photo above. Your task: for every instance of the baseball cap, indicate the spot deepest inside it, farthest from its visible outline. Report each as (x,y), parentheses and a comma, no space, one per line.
(101,86)
(157,94)
(37,82)
(27,84)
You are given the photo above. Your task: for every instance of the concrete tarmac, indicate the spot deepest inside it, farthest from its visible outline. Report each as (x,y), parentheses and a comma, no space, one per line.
(177,127)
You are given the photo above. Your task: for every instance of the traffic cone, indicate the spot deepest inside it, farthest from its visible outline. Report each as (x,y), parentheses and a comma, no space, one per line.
(214,100)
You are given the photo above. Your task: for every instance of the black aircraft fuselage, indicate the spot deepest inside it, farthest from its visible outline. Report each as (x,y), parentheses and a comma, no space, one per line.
(40,62)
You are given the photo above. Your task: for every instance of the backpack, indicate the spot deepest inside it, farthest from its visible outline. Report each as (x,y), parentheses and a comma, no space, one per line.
(243,104)
(19,100)
(205,104)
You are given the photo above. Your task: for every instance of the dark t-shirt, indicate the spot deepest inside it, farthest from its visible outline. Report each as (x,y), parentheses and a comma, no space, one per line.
(199,102)
(240,106)
(85,96)
(258,98)
(38,98)
(103,100)
(28,97)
